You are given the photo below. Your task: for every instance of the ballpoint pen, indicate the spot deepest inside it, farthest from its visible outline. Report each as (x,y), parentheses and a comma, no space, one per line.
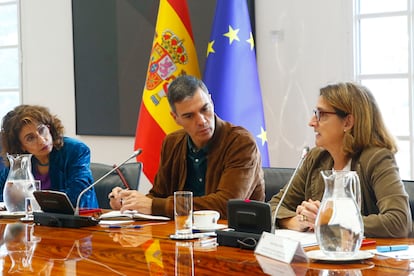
(392,248)
(122,226)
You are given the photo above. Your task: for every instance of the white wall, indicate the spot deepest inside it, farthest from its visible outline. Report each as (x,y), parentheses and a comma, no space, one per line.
(301,46)
(48,76)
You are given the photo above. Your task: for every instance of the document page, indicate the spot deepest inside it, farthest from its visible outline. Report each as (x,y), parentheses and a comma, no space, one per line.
(305,238)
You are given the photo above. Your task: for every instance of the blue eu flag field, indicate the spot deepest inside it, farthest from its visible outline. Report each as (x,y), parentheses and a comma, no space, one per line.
(231,71)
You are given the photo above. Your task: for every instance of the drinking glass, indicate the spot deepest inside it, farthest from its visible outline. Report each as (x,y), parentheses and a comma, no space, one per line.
(28,208)
(36,187)
(183,213)
(184,263)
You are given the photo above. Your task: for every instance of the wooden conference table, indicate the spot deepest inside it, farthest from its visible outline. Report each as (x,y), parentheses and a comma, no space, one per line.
(39,250)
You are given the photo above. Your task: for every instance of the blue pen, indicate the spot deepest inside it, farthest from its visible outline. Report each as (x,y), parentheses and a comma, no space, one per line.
(123,226)
(392,248)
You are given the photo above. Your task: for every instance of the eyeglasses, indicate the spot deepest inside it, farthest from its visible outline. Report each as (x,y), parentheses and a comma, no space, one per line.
(320,114)
(32,138)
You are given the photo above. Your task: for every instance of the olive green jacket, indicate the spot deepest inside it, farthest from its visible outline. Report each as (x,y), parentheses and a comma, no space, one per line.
(234,170)
(385,207)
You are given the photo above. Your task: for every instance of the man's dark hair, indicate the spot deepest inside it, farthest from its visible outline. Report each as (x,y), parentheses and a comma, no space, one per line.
(183,87)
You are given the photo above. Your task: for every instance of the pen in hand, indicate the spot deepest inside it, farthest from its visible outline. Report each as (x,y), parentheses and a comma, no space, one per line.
(392,248)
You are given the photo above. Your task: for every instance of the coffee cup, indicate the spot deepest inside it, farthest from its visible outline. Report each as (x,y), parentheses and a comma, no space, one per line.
(205,219)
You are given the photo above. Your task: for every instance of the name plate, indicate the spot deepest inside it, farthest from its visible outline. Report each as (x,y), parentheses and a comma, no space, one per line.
(280,248)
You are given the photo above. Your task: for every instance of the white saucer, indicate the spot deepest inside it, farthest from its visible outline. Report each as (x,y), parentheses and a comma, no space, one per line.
(217,227)
(7,214)
(319,255)
(27,218)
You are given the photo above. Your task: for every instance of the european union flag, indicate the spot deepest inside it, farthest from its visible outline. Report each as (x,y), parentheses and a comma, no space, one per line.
(231,71)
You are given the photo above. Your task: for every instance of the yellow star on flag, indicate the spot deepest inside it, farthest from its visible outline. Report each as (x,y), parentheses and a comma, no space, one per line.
(262,135)
(210,48)
(232,34)
(251,41)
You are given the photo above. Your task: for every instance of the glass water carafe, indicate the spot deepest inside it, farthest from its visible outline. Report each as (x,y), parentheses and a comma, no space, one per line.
(20,243)
(19,183)
(338,227)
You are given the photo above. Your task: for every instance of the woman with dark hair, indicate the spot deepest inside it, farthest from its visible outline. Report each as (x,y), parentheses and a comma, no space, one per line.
(350,134)
(60,163)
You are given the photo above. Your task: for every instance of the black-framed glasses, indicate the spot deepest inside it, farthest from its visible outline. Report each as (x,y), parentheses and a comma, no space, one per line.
(320,114)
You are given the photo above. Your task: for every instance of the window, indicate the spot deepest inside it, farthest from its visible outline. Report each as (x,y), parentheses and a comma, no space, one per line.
(383,61)
(9,56)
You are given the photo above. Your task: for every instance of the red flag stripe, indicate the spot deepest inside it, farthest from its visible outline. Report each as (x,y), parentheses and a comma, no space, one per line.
(150,140)
(183,14)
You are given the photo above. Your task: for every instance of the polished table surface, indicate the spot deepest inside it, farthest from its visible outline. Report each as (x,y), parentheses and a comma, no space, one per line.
(39,250)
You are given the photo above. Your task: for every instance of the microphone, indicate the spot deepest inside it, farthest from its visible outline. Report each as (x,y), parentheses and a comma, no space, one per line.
(58,210)
(133,155)
(302,158)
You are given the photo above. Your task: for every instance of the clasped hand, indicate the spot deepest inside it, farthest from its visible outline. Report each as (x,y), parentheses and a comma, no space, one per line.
(306,214)
(121,199)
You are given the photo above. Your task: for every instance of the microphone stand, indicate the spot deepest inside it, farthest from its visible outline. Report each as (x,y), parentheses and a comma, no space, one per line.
(75,220)
(303,156)
(135,154)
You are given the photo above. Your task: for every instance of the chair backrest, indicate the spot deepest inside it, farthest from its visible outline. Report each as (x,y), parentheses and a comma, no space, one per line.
(131,172)
(409,187)
(275,179)
(2,165)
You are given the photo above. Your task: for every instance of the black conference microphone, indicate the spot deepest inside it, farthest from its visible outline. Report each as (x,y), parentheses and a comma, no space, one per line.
(58,210)
(302,158)
(135,154)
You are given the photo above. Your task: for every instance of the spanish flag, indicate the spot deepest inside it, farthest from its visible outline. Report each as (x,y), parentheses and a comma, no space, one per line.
(173,54)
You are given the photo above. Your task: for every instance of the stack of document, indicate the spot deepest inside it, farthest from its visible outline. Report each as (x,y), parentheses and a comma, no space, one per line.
(129,215)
